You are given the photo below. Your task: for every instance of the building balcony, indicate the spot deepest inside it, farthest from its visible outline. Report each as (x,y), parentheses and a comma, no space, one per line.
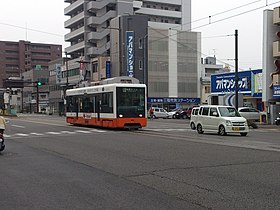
(74,34)
(99,20)
(173,2)
(98,50)
(75,47)
(276,16)
(97,5)
(159,12)
(98,35)
(74,20)
(276,49)
(72,7)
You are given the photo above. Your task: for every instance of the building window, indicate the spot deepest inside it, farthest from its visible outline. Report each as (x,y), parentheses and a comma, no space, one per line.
(140,44)
(207,89)
(140,65)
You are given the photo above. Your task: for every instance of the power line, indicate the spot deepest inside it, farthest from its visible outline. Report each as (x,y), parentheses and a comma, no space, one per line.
(30,29)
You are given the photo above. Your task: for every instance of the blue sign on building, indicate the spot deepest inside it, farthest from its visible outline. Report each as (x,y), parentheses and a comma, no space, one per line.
(108,69)
(225,83)
(174,100)
(130,53)
(276,91)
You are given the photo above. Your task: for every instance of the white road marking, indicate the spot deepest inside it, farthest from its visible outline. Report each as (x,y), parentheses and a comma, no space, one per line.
(99,131)
(18,126)
(53,133)
(37,134)
(67,132)
(81,131)
(21,134)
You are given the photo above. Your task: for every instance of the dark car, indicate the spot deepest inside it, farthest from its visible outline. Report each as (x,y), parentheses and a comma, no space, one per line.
(182,113)
(186,113)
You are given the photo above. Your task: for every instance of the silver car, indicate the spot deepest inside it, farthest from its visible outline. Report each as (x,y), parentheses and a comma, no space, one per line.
(249,113)
(160,113)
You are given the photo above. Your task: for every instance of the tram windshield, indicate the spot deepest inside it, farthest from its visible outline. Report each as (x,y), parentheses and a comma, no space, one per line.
(131,101)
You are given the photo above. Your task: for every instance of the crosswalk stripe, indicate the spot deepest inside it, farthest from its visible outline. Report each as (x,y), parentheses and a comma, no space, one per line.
(67,132)
(37,134)
(21,134)
(54,133)
(99,131)
(81,131)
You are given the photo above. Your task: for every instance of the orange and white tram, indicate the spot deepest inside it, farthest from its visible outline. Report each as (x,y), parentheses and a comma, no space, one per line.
(112,106)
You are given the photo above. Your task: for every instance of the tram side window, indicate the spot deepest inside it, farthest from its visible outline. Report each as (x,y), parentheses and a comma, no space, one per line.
(107,102)
(87,104)
(71,104)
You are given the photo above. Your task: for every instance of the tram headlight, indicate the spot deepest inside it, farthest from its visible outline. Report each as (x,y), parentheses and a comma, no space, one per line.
(120,115)
(140,115)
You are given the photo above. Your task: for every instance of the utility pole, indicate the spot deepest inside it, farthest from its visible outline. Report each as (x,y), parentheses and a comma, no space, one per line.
(67,83)
(37,97)
(236,69)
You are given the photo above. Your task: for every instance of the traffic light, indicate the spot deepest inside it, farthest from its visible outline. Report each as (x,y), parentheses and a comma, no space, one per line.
(39,83)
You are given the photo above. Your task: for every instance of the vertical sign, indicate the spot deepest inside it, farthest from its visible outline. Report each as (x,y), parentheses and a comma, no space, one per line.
(58,72)
(130,53)
(108,69)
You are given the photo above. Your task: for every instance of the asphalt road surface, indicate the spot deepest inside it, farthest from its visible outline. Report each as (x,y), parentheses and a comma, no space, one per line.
(50,165)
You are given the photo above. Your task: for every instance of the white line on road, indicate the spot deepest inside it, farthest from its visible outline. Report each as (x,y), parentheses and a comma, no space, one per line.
(53,133)
(18,126)
(37,134)
(21,134)
(99,131)
(81,131)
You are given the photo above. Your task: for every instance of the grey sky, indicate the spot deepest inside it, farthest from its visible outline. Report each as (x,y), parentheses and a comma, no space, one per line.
(48,16)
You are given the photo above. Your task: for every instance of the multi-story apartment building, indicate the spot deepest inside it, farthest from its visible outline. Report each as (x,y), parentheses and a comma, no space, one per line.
(22,56)
(89,22)
(89,19)
(271,62)
(208,67)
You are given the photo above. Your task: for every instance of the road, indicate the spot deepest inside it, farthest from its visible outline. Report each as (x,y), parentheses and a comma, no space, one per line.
(50,165)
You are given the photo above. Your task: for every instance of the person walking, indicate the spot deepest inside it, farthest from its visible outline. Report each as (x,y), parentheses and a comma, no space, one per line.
(2,125)
(151,112)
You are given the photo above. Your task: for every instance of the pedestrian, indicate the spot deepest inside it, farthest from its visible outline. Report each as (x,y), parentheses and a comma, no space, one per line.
(2,125)
(151,112)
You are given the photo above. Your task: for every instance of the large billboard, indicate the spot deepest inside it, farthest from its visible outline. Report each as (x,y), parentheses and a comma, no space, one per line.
(249,83)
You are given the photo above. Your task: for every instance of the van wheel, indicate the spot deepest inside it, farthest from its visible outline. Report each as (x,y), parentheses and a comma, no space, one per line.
(243,134)
(199,129)
(222,131)
(192,126)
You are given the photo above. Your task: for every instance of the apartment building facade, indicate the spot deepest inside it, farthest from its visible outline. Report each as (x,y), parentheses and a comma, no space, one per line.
(89,23)
(22,56)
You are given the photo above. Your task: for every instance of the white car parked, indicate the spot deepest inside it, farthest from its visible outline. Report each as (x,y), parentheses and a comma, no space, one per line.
(194,115)
(221,119)
(160,113)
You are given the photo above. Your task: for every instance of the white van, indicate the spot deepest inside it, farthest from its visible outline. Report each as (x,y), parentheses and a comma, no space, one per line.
(194,115)
(221,119)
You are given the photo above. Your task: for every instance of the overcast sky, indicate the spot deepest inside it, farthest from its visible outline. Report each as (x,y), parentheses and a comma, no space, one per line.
(47,16)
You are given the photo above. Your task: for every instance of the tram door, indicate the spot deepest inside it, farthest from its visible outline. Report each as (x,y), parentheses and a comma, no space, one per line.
(97,106)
